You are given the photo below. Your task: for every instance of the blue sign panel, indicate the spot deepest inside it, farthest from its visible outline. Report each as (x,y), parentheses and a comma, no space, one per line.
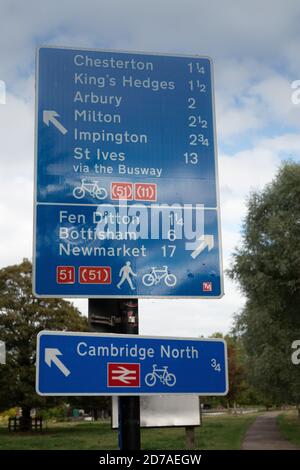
(101,364)
(126,201)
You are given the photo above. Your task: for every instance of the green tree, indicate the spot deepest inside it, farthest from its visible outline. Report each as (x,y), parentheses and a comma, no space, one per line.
(22,316)
(235,371)
(267,267)
(239,387)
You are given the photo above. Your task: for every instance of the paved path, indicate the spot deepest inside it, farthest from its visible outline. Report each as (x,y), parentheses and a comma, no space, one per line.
(264,434)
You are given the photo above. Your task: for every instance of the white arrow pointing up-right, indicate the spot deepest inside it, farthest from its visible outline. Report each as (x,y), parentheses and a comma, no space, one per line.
(205,241)
(51,356)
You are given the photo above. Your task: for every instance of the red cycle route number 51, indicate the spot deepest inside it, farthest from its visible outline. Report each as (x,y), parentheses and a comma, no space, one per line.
(95,274)
(65,274)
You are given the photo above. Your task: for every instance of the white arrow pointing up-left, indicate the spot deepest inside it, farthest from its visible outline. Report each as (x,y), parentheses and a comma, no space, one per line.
(51,356)
(50,116)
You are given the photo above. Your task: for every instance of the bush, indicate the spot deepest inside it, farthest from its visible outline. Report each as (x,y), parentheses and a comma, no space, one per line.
(58,413)
(5,415)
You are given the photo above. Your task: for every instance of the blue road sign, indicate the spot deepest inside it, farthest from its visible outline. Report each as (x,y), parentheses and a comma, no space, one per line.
(104,364)
(126,197)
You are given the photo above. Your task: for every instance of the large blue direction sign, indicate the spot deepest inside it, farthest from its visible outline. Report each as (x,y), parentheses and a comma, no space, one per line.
(101,364)
(126,200)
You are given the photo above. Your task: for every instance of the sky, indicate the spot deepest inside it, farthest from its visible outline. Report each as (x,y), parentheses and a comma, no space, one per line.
(255,47)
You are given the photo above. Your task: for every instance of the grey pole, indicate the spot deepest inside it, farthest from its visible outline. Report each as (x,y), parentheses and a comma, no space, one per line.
(129,406)
(120,316)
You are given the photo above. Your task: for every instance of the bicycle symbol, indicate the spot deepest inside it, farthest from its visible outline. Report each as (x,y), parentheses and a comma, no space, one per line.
(156,275)
(166,378)
(91,188)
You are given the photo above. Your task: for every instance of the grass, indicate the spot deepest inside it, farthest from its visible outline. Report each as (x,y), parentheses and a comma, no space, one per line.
(217,433)
(222,432)
(289,426)
(83,436)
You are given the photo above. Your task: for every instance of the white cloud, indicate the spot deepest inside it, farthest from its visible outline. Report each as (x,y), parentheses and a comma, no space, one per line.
(274,94)
(235,120)
(16,220)
(250,170)
(253,97)
(237,30)
(16,180)
(17,137)
(190,317)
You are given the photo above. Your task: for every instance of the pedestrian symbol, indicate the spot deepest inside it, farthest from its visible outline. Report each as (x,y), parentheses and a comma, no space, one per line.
(125,273)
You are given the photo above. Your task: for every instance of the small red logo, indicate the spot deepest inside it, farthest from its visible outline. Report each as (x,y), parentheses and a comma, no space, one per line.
(65,274)
(145,192)
(123,375)
(95,274)
(122,191)
(207,286)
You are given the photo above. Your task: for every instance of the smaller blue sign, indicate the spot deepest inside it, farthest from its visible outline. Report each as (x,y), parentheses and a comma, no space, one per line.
(103,364)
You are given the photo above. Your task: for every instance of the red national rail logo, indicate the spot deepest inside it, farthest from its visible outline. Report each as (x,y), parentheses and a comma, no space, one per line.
(123,375)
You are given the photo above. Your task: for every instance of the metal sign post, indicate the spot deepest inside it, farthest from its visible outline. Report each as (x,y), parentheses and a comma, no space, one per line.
(120,316)
(129,406)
